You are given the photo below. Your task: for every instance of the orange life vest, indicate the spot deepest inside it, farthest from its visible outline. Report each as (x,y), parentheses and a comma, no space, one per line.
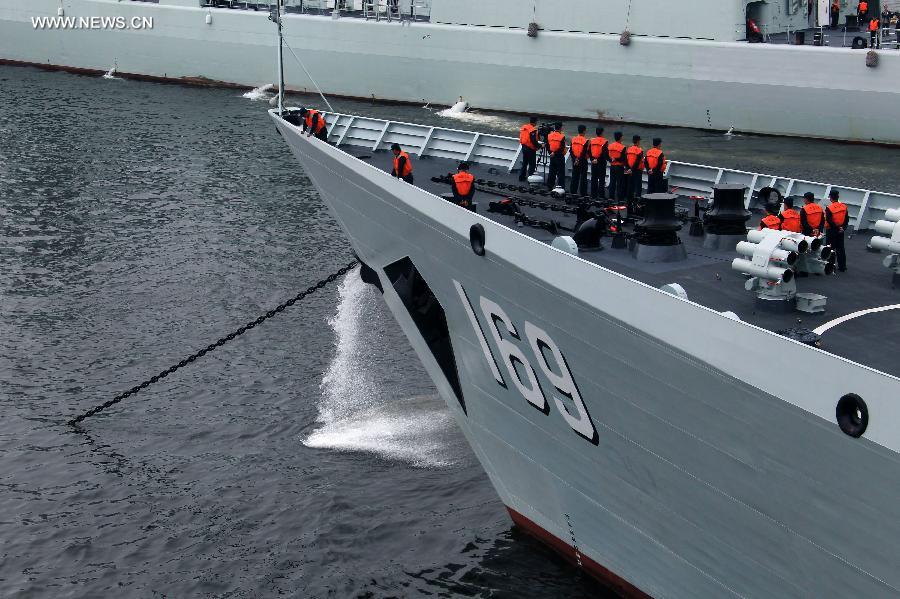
(616,149)
(597,144)
(310,115)
(873,25)
(556,141)
(578,143)
(656,162)
(464,181)
(863,7)
(634,158)
(407,166)
(770,222)
(838,213)
(790,221)
(525,136)
(814,215)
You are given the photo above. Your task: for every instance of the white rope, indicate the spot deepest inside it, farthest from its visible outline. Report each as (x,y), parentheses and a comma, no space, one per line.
(302,66)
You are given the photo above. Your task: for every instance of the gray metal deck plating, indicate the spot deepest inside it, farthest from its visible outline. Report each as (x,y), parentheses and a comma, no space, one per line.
(708,278)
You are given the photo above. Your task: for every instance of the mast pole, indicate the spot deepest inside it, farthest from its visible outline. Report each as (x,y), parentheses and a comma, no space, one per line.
(280,58)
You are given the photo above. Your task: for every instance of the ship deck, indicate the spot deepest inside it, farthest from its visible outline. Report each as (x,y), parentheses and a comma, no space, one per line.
(707,277)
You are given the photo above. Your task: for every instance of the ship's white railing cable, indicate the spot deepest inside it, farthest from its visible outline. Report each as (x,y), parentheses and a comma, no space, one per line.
(865,206)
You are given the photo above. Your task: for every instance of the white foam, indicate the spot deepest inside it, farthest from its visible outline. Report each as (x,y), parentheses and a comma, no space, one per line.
(259,93)
(358,409)
(477,118)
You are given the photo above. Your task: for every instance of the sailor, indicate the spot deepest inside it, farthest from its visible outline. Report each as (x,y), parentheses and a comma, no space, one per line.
(790,218)
(835,13)
(634,164)
(463,185)
(616,153)
(599,149)
(873,32)
(835,224)
(862,12)
(314,124)
(402,165)
(556,144)
(771,220)
(812,216)
(579,162)
(529,139)
(655,162)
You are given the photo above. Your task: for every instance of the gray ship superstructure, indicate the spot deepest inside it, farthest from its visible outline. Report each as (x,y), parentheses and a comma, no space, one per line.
(684,63)
(667,447)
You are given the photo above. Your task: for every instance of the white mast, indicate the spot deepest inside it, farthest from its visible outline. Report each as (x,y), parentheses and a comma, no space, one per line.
(276,16)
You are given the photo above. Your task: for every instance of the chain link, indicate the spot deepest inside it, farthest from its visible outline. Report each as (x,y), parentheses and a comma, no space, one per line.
(213,346)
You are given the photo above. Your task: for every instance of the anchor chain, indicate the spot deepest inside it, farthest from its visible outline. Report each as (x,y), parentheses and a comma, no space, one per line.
(213,346)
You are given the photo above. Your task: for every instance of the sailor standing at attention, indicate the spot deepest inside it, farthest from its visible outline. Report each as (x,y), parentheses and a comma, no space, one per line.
(874,24)
(634,164)
(599,149)
(811,216)
(529,140)
(463,185)
(314,124)
(556,144)
(656,168)
(790,218)
(835,224)
(862,12)
(578,150)
(835,13)
(616,152)
(402,166)
(771,220)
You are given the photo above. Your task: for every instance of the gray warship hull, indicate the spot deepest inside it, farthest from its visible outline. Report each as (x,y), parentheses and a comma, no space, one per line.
(761,88)
(651,440)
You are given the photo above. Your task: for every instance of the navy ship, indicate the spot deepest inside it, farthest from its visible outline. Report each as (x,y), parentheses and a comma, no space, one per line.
(637,388)
(692,63)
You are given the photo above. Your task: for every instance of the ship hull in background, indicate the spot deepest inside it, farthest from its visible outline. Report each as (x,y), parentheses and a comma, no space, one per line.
(708,474)
(758,88)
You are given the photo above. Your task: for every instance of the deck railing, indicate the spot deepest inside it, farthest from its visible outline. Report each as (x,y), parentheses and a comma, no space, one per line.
(865,206)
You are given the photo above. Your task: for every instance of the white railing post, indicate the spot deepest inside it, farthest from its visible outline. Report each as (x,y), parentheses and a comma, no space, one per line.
(380,137)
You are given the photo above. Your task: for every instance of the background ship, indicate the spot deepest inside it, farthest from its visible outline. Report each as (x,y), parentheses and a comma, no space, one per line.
(669,449)
(686,63)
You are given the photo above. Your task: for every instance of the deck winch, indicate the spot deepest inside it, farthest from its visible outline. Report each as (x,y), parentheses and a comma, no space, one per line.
(725,222)
(656,235)
(890,226)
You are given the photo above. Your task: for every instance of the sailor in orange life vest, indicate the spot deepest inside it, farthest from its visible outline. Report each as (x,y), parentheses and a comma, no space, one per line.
(771,220)
(556,144)
(790,218)
(617,180)
(634,168)
(402,166)
(811,216)
(463,185)
(836,218)
(314,124)
(528,137)
(873,32)
(862,12)
(579,153)
(655,162)
(599,156)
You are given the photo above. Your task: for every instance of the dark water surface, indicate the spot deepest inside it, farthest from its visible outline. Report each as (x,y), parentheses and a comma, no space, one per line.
(308,458)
